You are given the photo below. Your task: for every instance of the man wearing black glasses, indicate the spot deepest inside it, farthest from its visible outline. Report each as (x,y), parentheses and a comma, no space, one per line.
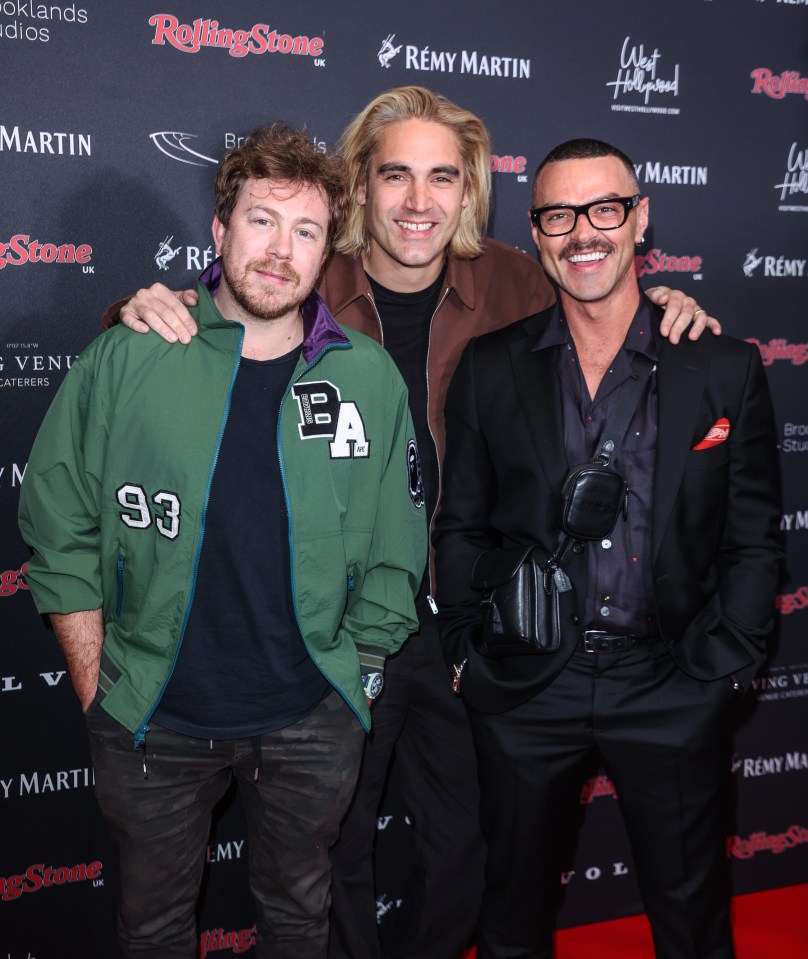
(663,611)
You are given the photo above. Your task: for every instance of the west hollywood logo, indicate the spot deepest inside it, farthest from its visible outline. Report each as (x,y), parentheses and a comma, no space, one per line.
(778,86)
(259,38)
(428,60)
(777,266)
(21,249)
(795,180)
(640,76)
(657,261)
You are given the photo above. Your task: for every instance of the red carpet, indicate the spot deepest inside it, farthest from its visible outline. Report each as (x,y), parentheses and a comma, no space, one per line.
(768,925)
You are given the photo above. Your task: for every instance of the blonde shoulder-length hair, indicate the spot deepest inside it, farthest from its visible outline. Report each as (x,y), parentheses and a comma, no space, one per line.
(359,141)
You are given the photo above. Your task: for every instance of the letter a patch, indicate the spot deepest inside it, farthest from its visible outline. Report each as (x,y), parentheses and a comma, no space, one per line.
(324,415)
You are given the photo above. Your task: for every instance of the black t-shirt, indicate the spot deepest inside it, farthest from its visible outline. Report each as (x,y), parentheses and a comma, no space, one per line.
(243,668)
(406,320)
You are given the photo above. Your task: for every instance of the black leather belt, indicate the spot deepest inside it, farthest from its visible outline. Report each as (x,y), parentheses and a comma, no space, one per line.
(599,641)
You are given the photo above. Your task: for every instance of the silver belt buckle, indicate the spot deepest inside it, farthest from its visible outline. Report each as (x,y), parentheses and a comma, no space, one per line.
(589,646)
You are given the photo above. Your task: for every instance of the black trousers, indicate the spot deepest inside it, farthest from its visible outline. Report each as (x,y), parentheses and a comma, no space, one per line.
(663,738)
(418,720)
(161,826)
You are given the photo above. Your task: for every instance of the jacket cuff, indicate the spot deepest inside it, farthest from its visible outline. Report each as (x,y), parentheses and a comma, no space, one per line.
(371,659)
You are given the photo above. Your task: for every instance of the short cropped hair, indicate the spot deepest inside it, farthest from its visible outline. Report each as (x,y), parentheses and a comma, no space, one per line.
(361,137)
(586,149)
(279,152)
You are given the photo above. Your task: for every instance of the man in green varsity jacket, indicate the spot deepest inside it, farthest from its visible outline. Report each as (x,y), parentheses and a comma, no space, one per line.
(228,540)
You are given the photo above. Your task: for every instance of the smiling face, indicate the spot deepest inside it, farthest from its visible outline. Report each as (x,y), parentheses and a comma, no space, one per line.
(413,198)
(590,265)
(272,250)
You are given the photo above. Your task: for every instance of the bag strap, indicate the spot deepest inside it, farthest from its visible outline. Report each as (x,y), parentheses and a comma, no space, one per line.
(613,435)
(615,429)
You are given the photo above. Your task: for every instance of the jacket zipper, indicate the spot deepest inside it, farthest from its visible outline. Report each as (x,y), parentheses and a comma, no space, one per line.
(430,596)
(140,735)
(278,443)
(120,566)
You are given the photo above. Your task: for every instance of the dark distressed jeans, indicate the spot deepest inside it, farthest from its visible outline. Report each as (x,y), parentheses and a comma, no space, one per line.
(161,825)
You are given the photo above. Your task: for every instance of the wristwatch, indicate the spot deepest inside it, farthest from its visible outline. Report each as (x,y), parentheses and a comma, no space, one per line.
(372,683)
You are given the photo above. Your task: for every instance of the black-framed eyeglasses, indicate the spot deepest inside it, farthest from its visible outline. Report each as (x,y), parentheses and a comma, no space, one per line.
(602,214)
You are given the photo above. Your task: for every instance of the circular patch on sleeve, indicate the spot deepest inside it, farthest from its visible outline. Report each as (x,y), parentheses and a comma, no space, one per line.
(415,480)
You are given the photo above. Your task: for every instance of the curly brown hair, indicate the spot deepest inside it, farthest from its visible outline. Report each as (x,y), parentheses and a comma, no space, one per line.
(281,153)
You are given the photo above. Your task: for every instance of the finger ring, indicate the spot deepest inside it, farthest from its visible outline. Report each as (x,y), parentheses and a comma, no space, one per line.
(698,311)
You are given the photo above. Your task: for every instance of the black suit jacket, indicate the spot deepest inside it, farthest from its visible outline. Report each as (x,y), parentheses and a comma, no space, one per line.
(716,543)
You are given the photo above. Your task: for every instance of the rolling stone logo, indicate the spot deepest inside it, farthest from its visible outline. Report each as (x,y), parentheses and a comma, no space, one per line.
(39,876)
(656,261)
(596,787)
(779,350)
(21,249)
(258,39)
(739,847)
(12,580)
(778,86)
(509,164)
(217,940)
(789,603)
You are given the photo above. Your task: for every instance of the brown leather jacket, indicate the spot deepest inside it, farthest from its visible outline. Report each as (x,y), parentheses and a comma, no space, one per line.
(498,287)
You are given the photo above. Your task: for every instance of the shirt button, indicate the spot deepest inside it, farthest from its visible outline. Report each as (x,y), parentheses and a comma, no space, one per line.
(606,544)
(578,548)
(605,611)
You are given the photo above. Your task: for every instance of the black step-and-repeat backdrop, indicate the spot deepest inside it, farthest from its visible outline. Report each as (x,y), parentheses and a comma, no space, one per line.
(112,121)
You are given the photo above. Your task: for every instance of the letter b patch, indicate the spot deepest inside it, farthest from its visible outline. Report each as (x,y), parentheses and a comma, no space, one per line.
(324,415)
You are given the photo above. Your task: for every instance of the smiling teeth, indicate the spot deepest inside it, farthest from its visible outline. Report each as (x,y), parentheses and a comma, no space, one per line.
(587,257)
(418,227)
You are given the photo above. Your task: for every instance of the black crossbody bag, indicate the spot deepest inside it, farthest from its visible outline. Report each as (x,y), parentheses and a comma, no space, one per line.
(522,585)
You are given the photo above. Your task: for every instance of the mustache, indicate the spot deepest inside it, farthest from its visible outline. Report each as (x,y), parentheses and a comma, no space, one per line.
(599,245)
(278,267)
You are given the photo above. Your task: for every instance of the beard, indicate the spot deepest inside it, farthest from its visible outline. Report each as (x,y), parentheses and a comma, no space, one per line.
(268,303)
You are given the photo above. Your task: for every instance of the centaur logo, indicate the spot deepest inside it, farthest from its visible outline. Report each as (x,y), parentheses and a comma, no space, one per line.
(323,414)
(190,38)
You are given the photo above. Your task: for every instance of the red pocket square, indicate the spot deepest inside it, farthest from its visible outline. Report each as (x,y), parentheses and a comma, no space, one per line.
(717,433)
